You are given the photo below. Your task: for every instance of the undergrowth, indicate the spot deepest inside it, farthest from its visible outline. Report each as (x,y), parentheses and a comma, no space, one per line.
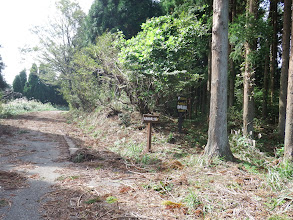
(188,180)
(20,106)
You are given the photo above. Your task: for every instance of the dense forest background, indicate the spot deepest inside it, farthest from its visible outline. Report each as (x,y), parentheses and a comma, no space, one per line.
(147,53)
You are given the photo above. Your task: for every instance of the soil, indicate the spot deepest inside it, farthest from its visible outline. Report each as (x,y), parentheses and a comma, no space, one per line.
(51,169)
(42,177)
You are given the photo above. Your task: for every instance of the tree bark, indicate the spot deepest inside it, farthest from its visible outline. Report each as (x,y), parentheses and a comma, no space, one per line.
(231,62)
(285,67)
(288,153)
(209,75)
(265,88)
(249,78)
(217,135)
(274,48)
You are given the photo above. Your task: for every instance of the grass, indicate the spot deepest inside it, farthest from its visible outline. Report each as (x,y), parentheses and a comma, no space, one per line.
(207,188)
(20,106)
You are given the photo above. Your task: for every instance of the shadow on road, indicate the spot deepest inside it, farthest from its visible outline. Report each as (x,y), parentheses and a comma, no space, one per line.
(48,181)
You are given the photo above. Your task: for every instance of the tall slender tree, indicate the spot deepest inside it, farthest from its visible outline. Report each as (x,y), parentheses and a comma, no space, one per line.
(217,135)
(16,85)
(274,47)
(285,66)
(288,154)
(249,76)
(23,78)
(231,62)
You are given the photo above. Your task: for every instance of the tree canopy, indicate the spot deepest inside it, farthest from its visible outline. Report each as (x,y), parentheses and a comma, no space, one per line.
(147,53)
(114,15)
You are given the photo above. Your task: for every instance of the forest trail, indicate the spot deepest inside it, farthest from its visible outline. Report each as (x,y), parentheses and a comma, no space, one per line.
(31,156)
(38,180)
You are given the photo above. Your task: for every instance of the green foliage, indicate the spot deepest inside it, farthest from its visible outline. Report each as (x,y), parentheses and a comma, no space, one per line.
(134,151)
(240,33)
(123,15)
(111,199)
(35,88)
(21,106)
(59,41)
(246,150)
(167,57)
(92,201)
(280,173)
(17,86)
(162,187)
(192,201)
(3,83)
(175,7)
(97,78)
(19,82)
(23,78)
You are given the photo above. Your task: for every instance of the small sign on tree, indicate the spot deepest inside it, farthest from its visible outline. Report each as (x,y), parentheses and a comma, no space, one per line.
(150,119)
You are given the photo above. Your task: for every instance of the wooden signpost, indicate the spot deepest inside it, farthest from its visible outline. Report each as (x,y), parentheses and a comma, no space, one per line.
(182,109)
(150,119)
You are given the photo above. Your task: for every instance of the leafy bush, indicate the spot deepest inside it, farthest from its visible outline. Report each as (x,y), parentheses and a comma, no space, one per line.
(20,106)
(168,56)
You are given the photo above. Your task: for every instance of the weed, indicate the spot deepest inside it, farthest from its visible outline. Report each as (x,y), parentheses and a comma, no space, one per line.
(61,178)
(170,138)
(244,148)
(192,201)
(92,201)
(111,199)
(234,186)
(199,161)
(161,187)
(73,177)
(125,119)
(279,152)
(286,169)
(133,151)
(79,158)
(280,174)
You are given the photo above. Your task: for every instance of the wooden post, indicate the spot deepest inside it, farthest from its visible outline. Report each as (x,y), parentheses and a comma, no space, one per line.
(180,122)
(149,142)
(149,119)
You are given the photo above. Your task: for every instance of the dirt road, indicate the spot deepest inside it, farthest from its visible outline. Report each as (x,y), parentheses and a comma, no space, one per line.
(31,156)
(38,181)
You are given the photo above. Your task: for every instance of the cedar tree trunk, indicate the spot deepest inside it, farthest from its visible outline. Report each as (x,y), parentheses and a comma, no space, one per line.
(217,135)
(285,66)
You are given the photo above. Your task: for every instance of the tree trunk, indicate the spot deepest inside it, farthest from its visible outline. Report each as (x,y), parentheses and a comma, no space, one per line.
(274,48)
(217,135)
(285,66)
(288,153)
(231,62)
(249,78)
(266,88)
(209,75)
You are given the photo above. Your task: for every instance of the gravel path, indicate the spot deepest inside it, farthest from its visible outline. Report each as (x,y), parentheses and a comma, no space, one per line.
(31,147)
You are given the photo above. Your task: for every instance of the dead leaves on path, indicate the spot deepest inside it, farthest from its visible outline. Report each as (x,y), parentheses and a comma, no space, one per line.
(12,180)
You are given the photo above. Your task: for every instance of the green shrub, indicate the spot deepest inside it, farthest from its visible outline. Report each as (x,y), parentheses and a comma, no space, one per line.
(20,106)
